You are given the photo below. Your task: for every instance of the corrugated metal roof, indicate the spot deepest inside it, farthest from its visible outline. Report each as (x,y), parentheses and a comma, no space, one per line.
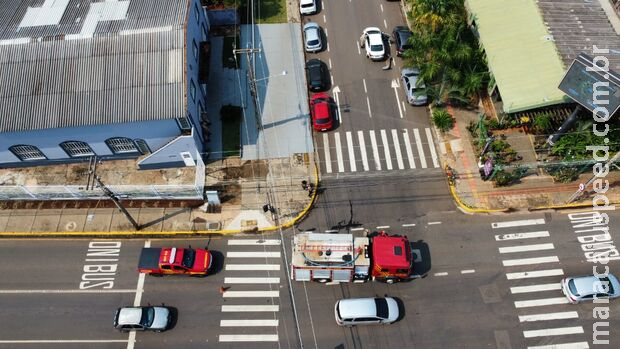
(130,70)
(521,56)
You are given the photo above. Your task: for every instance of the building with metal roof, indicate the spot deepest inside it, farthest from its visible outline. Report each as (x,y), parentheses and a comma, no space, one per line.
(112,79)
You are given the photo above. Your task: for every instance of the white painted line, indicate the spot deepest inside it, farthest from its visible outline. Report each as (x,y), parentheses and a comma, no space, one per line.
(518,236)
(375,150)
(140,287)
(553,332)
(325,29)
(250,294)
(402,102)
(357,44)
(332,283)
(536,288)
(468,271)
(575,345)
(68,291)
(441,274)
(534,274)
(385,23)
(357,229)
(360,137)
(248,280)
(328,159)
(249,323)
(368,103)
(383,227)
(339,152)
(408,148)
(433,223)
(248,338)
(351,152)
(331,77)
(50,341)
(250,242)
(549,316)
(249,308)
(262,254)
(520,223)
(418,142)
(399,155)
(431,147)
(330,63)
(409,225)
(386,150)
(328,47)
(526,248)
(252,267)
(528,261)
(381,5)
(325,21)
(364,82)
(331,231)
(541,302)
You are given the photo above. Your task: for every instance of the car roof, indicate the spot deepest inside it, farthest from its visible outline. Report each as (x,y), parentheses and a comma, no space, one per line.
(586,284)
(321,109)
(305,2)
(311,25)
(390,252)
(357,307)
(129,316)
(314,62)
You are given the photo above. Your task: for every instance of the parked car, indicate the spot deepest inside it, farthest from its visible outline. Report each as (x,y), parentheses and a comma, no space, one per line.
(372,41)
(414,88)
(366,311)
(312,37)
(584,288)
(317,73)
(401,35)
(322,112)
(307,7)
(148,318)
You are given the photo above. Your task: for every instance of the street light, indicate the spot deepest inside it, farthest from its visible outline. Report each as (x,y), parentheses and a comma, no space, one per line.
(284,72)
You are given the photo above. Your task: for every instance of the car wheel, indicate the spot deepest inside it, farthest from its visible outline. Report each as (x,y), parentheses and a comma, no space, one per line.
(390,280)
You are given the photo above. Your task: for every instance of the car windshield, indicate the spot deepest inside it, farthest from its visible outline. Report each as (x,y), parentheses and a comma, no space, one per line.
(313,42)
(148,315)
(307,5)
(376,47)
(572,288)
(606,285)
(188,257)
(382,308)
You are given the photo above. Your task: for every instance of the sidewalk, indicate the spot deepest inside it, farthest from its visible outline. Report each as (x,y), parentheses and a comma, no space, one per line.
(535,191)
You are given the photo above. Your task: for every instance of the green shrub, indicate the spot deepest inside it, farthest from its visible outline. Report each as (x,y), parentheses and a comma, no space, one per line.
(443,120)
(542,124)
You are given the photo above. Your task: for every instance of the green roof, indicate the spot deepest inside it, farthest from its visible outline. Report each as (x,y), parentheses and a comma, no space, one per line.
(520,52)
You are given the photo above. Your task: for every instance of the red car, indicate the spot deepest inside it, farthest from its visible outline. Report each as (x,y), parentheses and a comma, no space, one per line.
(321,109)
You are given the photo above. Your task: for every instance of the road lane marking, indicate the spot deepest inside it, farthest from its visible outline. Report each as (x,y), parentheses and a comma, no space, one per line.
(468,271)
(351,152)
(433,223)
(331,77)
(431,147)
(140,286)
(386,150)
(251,294)
(357,44)
(541,302)
(381,5)
(249,308)
(402,102)
(262,254)
(408,148)
(328,47)
(357,229)
(50,341)
(67,291)
(330,63)
(369,111)
(536,288)
(385,23)
(331,231)
(518,236)
(248,338)
(383,227)
(252,267)
(395,87)
(247,280)
(409,225)
(575,345)
(441,274)
(339,152)
(364,82)
(526,248)
(375,150)
(325,21)
(249,242)
(418,142)
(520,223)
(528,261)
(328,159)
(534,274)
(360,137)
(325,29)
(249,323)
(549,316)
(553,332)
(399,155)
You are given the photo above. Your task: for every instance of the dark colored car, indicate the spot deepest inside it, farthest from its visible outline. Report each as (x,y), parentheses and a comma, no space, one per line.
(321,110)
(317,75)
(401,35)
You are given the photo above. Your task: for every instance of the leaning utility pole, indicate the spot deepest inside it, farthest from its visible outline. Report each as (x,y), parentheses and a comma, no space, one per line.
(591,180)
(117,202)
(252,81)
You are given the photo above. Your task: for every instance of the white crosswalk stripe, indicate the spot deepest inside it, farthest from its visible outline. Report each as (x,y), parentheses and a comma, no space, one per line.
(249,308)
(541,302)
(386,150)
(534,274)
(518,236)
(253,242)
(351,152)
(528,261)
(252,267)
(248,280)
(328,159)
(520,223)
(526,248)
(249,323)
(252,254)
(418,142)
(431,147)
(399,155)
(339,153)
(553,332)
(360,137)
(375,150)
(575,345)
(549,316)
(248,338)
(408,148)
(536,288)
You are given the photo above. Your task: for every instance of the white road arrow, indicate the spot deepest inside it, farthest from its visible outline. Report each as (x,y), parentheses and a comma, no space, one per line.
(336,91)
(395,86)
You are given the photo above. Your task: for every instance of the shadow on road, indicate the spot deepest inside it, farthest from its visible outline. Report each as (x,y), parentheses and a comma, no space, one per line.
(421,258)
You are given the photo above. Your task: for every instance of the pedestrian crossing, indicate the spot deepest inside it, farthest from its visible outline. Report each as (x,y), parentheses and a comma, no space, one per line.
(376,150)
(534,277)
(251,292)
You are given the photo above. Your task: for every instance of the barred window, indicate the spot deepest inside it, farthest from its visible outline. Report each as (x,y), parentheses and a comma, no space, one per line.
(121,145)
(195,48)
(27,152)
(76,149)
(192,90)
(197,10)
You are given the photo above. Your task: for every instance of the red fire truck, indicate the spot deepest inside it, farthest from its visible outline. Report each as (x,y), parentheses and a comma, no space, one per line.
(344,258)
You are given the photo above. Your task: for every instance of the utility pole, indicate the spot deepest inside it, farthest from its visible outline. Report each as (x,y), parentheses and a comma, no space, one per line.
(252,81)
(117,202)
(591,180)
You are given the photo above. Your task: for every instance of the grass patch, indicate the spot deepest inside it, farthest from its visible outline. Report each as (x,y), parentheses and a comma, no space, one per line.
(265,11)
(228,60)
(231,130)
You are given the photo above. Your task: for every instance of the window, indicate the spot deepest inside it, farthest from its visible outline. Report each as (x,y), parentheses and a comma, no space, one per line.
(195,48)
(204,33)
(197,12)
(27,152)
(192,90)
(142,146)
(121,145)
(77,149)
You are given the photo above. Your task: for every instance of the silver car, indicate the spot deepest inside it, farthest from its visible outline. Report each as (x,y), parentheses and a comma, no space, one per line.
(149,318)
(585,288)
(366,311)
(414,87)
(312,36)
